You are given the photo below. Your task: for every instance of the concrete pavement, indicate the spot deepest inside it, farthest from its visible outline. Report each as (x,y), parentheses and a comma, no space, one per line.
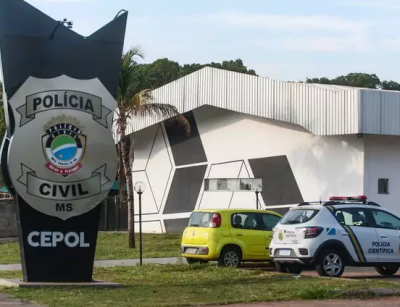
(382,302)
(106,263)
(6,301)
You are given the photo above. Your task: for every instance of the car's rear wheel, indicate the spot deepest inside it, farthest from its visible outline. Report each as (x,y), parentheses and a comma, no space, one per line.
(193,261)
(280,267)
(330,263)
(230,257)
(388,270)
(292,268)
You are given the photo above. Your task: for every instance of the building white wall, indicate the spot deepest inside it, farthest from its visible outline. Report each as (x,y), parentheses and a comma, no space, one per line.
(382,160)
(322,165)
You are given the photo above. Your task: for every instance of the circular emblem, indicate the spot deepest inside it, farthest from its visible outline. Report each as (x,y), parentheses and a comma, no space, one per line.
(64,145)
(280,235)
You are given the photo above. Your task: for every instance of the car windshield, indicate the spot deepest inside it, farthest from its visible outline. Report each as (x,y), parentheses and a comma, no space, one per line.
(298,216)
(200,219)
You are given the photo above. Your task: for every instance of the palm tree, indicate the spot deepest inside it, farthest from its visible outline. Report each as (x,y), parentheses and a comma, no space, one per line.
(2,119)
(132,102)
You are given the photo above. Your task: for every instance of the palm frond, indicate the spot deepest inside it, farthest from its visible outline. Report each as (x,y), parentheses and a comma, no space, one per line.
(126,77)
(164,111)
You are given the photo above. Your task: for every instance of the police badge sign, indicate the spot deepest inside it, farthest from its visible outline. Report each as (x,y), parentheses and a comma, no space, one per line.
(68,170)
(58,157)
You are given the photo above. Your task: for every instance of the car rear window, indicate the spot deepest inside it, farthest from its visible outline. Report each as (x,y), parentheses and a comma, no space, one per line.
(298,216)
(200,219)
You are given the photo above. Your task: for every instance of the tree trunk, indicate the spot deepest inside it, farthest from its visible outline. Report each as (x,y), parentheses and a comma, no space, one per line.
(125,147)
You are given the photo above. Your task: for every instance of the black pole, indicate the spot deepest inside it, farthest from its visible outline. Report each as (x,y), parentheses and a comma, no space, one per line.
(257,200)
(140,226)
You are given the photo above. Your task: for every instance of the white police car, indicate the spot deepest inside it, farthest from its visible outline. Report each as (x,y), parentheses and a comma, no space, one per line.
(327,236)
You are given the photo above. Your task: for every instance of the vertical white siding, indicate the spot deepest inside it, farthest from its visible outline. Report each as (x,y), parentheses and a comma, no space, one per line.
(321,109)
(380,112)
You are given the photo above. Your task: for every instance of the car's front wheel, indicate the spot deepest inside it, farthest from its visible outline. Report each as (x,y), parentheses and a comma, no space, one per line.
(330,264)
(230,257)
(387,270)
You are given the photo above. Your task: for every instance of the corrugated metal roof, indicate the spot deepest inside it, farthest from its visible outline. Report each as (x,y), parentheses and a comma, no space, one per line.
(321,109)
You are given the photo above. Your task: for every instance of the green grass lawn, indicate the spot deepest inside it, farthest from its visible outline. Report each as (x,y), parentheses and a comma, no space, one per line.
(180,285)
(114,245)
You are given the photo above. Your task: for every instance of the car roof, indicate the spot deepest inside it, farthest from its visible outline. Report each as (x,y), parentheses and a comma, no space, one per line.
(237,210)
(336,206)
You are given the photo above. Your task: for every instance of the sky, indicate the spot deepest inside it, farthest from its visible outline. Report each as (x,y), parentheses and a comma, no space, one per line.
(286,39)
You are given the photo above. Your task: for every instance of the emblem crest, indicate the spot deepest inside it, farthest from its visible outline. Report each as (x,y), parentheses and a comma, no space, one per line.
(64,144)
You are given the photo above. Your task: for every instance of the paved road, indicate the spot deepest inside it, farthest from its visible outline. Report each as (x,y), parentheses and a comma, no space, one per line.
(382,302)
(360,273)
(350,272)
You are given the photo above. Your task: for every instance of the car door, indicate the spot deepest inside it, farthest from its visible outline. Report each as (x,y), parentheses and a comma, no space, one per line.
(269,222)
(360,230)
(247,232)
(388,228)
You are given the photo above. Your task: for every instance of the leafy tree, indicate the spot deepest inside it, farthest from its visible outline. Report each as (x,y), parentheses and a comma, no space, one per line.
(164,71)
(236,65)
(390,85)
(352,79)
(132,101)
(358,80)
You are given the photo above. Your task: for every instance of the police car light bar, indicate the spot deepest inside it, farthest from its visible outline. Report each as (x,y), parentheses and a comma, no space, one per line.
(349,198)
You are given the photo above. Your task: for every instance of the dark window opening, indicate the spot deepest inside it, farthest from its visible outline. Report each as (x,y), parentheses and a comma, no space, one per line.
(383,186)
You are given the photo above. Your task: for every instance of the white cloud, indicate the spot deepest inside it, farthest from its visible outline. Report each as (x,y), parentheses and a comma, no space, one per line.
(283,22)
(328,44)
(392,44)
(384,4)
(57,0)
(317,44)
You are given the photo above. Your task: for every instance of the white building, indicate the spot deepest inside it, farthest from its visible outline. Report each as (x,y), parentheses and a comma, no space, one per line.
(306,141)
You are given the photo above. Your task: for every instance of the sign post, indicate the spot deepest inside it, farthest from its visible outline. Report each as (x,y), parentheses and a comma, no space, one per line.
(58,157)
(234,185)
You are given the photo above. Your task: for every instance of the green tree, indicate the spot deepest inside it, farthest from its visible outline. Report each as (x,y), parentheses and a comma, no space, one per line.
(390,85)
(352,79)
(164,71)
(134,101)
(236,65)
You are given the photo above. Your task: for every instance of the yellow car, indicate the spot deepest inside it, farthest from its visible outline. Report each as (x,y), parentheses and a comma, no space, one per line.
(229,236)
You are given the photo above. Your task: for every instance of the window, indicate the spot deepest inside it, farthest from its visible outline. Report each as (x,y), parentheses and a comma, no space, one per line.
(299,216)
(270,221)
(352,217)
(245,221)
(200,219)
(385,220)
(222,184)
(383,186)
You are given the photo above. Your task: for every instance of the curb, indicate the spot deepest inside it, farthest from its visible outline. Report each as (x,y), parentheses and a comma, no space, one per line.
(8,240)
(377,291)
